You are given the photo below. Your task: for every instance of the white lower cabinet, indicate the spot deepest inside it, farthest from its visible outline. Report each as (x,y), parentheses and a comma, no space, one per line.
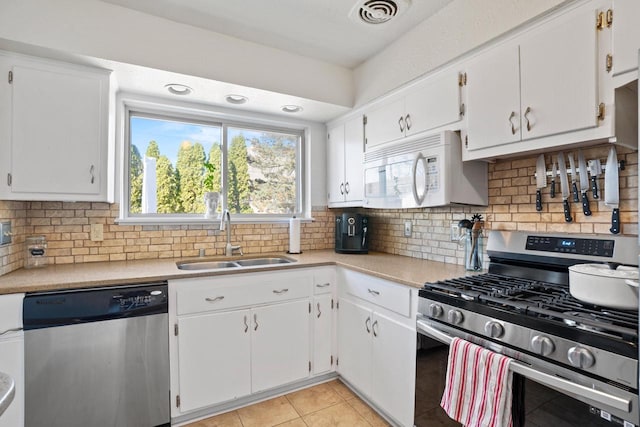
(377,351)
(322,310)
(12,356)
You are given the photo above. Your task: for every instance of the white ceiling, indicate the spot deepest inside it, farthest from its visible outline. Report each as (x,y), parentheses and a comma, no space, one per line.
(316,28)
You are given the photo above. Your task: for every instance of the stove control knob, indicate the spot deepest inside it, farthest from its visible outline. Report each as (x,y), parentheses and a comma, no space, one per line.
(580,357)
(494,329)
(435,310)
(542,345)
(455,317)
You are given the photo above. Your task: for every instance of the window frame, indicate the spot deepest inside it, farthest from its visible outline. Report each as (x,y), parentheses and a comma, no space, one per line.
(178,113)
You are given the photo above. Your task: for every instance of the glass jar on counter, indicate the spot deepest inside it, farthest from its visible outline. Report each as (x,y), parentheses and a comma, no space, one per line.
(36,256)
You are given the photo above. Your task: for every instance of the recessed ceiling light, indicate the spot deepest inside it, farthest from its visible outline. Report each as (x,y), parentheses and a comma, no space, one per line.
(178,89)
(291,108)
(236,99)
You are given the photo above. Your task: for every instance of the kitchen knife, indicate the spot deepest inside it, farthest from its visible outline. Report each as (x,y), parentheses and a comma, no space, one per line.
(584,183)
(595,169)
(564,187)
(574,186)
(611,189)
(541,180)
(554,173)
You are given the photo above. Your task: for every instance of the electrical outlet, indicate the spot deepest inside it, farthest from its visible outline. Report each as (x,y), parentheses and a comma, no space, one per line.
(455,233)
(5,233)
(408,227)
(97,233)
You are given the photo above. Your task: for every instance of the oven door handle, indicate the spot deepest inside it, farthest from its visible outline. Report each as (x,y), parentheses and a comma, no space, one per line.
(552,381)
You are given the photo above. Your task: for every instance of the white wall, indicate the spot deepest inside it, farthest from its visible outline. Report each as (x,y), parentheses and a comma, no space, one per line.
(106,31)
(456,29)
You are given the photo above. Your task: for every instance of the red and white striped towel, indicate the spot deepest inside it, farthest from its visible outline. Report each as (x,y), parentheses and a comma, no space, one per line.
(478,389)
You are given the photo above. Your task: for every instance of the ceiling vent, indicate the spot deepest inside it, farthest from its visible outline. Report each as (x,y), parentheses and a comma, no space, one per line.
(377,11)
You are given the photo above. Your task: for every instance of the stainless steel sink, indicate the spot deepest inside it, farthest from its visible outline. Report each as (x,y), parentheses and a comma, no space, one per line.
(206,265)
(251,262)
(235,263)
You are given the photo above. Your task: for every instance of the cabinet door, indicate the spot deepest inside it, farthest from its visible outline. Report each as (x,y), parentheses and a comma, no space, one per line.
(626,35)
(58,132)
(335,165)
(213,358)
(12,363)
(558,72)
(385,123)
(493,99)
(433,103)
(353,157)
(394,365)
(354,345)
(279,344)
(322,333)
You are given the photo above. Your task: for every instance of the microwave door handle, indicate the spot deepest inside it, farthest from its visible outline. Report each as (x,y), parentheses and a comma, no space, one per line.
(418,198)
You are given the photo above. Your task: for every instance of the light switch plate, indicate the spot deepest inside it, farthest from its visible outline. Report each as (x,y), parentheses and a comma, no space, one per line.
(408,228)
(5,232)
(97,233)
(455,232)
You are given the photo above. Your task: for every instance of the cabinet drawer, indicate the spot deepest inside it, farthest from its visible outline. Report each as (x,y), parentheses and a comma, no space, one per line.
(221,293)
(324,281)
(391,296)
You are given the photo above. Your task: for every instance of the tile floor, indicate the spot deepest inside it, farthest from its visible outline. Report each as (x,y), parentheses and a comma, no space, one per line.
(325,405)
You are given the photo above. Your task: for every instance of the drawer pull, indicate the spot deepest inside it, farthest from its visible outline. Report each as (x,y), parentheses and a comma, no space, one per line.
(319,312)
(216,299)
(246,325)
(324,285)
(371,291)
(281,291)
(255,320)
(10,330)
(367,323)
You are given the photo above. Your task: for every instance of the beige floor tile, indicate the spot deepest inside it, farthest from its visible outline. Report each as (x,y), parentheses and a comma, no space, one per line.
(293,423)
(340,415)
(367,413)
(268,413)
(313,399)
(230,419)
(342,389)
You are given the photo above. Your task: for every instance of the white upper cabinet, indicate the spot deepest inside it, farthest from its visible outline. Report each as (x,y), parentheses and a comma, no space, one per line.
(428,104)
(55,142)
(626,35)
(345,179)
(540,89)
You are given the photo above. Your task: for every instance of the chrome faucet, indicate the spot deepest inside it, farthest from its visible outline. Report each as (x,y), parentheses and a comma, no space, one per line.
(225,222)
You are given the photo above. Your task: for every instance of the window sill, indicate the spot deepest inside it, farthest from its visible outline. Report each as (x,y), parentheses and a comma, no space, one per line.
(203,221)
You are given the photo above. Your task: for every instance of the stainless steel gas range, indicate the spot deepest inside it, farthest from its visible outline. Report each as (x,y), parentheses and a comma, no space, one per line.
(523,308)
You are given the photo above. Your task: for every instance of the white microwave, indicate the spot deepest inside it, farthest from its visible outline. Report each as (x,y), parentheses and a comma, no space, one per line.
(426,172)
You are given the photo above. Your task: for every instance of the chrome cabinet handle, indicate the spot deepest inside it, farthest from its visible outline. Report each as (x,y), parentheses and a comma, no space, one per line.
(324,285)
(93,178)
(220,298)
(346,187)
(407,120)
(246,325)
(342,188)
(367,323)
(281,291)
(373,292)
(526,116)
(319,312)
(401,124)
(513,128)
(373,328)
(255,320)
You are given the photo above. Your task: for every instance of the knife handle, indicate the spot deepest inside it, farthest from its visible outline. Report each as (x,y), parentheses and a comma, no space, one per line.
(594,187)
(574,188)
(553,188)
(567,210)
(585,204)
(615,221)
(538,200)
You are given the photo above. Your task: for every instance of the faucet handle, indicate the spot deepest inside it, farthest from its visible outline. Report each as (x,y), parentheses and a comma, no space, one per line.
(237,248)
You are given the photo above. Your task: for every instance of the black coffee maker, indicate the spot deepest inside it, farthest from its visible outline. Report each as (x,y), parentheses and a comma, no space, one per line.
(352,234)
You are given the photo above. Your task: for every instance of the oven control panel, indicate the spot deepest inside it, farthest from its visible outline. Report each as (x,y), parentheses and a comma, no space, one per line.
(571,245)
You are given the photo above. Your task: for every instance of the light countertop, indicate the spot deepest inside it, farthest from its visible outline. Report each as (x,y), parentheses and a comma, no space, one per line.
(408,271)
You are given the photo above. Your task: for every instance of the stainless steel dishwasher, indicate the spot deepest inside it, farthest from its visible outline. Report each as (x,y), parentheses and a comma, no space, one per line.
(97,357)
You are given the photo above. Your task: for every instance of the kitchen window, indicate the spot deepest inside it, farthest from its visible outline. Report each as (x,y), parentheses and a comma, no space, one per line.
(172,159)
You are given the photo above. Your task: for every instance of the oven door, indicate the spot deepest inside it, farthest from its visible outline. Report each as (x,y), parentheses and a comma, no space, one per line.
(550,400)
